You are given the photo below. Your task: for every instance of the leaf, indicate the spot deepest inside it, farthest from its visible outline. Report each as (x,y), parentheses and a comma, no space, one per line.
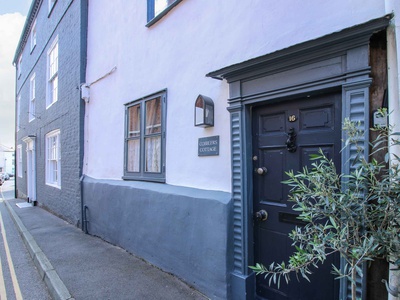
(387,156)
(333,221)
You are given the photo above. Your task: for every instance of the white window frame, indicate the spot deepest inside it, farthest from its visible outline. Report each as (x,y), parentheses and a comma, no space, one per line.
(52,74)
(19,161)
(19,66)
(32,97)
(33,36)
(18,112)
(51,4)
(53,159)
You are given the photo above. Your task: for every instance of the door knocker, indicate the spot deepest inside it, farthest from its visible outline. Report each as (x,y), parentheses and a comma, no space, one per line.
(291,141)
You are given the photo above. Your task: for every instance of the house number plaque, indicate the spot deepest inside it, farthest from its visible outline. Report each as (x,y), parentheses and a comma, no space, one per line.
(292,118)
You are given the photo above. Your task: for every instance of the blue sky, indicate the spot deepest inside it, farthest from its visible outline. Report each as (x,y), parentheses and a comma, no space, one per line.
(12,6)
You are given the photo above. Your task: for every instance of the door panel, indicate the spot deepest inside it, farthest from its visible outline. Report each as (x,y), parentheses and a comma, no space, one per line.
(284,136)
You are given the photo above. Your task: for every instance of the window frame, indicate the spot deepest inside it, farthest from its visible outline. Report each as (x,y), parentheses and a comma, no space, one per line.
(18,116)
(152,17)
(19,66)
(33,36)
(19,161)
(141,174)
(32,97)
(51,3)
(52,79)
(50,174)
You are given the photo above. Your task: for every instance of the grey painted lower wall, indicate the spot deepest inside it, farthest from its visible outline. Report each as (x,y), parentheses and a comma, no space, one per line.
(181,230)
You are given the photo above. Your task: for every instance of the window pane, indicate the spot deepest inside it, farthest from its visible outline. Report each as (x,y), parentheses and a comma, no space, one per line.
(159,6)
(54,89)
(153,116)
(133,156)
(134,121)
(53,63)
(153,154)
(53,159)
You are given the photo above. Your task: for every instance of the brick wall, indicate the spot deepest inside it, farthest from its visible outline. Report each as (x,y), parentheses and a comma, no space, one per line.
(66,23)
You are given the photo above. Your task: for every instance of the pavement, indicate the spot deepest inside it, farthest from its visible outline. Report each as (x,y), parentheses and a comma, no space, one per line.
(75,265)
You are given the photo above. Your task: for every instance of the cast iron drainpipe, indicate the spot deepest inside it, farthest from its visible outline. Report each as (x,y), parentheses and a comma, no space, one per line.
(84,209)
(85,220)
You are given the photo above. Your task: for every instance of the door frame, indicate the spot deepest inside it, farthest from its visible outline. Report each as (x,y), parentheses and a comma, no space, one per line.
(339,61)
(30,142)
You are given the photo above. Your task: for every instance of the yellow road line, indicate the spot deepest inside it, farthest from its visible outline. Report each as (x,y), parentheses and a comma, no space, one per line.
(3,293)
(17,290)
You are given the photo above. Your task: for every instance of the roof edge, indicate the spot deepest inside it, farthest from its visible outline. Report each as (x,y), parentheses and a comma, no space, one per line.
(30,18)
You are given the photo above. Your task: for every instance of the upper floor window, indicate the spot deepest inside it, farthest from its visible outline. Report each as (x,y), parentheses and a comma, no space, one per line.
(156,9)
(52,73)
(32,97)
(18,117)
(53,158)
(145,138)
(19,66)
(19,161)
(51,4)
(33,36)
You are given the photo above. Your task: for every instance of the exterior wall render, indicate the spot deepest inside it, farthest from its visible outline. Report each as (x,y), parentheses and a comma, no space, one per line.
(175,54)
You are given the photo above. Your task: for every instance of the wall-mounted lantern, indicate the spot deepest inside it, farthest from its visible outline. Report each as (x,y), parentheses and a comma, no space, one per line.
(203,112)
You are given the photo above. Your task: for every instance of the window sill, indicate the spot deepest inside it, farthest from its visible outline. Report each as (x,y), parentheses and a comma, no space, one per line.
(51,104)
(53,185)
(163,13)
(149,179)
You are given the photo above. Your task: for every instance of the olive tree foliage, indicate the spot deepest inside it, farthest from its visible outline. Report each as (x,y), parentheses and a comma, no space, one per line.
(356,215)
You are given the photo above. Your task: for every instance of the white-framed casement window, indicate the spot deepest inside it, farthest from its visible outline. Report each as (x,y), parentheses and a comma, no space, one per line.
(32,97)
(51,4)
(19,66)
(53,159)
(19,161)
(156,9)
(145,138)
(52,74)
(33,36)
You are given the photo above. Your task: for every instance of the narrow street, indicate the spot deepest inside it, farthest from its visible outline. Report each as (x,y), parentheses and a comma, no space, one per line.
(19,278)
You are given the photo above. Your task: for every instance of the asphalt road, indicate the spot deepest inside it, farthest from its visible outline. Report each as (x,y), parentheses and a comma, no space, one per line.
(19,278)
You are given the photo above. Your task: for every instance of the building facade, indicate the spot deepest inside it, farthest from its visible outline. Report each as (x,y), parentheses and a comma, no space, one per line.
(50,66)
(183,196)
(166,126)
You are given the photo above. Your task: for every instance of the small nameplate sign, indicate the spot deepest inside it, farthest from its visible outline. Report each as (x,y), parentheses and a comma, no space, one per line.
(209,146)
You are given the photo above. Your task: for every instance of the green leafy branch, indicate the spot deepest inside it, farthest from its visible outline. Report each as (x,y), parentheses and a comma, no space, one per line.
(356,215)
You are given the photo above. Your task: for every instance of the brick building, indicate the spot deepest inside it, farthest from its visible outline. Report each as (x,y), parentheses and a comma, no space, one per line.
(50,61)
